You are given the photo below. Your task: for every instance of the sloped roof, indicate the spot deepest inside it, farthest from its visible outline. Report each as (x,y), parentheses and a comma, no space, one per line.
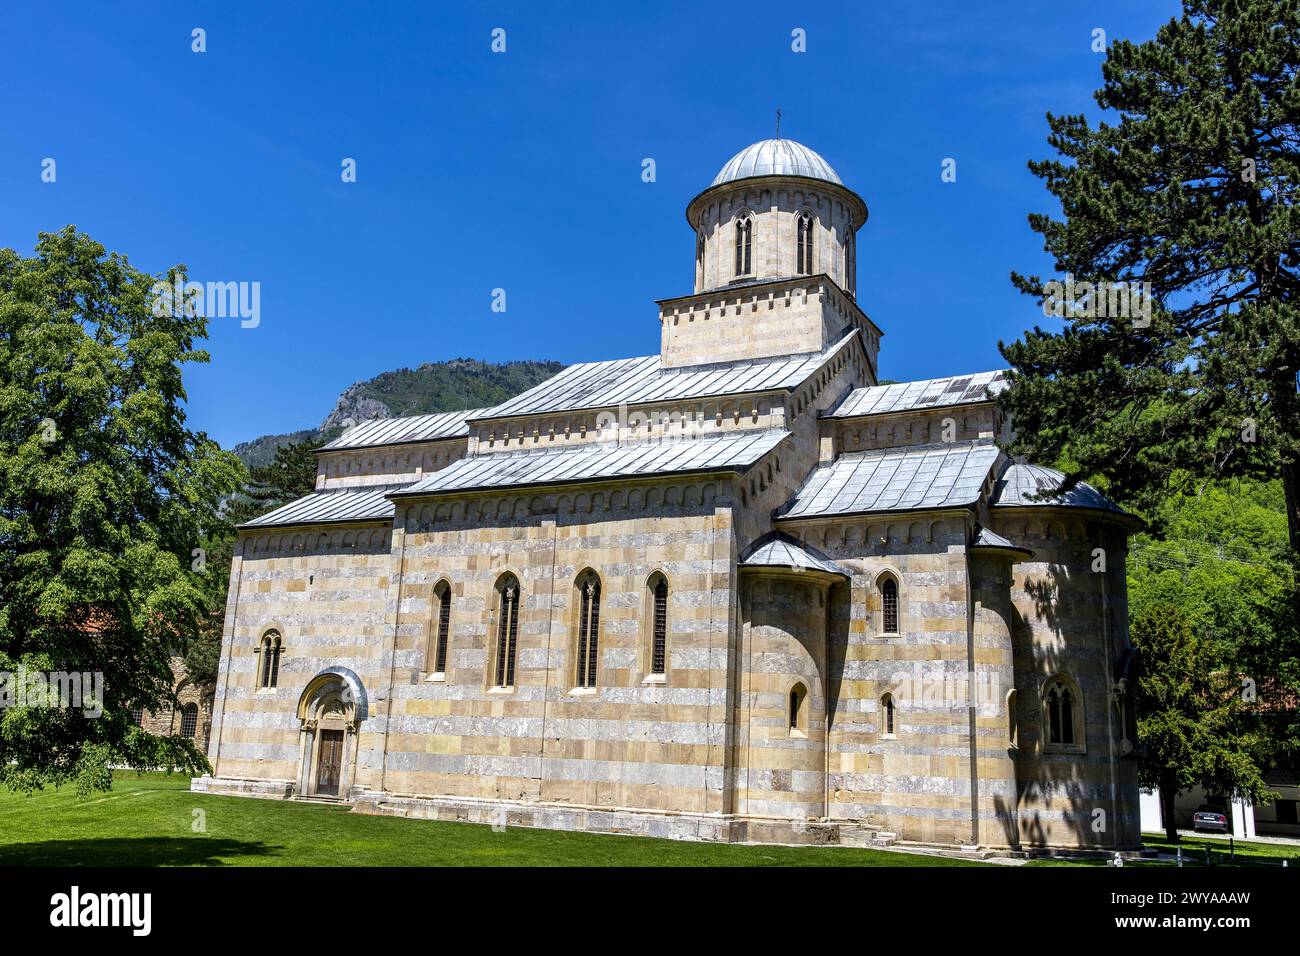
(323,507)
(397,431)
(896,479)
(991,541)
(640,380)
(1021,483)
(928,393)
(777,550)
(735,451)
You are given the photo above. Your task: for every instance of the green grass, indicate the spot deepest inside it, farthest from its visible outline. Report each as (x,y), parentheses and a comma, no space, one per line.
(146,820)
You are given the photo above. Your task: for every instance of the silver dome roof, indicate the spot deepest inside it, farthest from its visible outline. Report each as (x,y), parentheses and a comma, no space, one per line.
(776,157)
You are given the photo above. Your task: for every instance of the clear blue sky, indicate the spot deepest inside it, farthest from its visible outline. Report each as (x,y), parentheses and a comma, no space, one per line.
(523,170)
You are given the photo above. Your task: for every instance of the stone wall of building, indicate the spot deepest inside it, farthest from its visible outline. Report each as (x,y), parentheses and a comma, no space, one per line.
(171,720)
(780,748)
(773,241)
(1070,619)
(634,740)
(392,465)
(788,317)
(325,593)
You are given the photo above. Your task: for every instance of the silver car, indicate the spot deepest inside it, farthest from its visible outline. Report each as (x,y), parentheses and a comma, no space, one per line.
(1208,818)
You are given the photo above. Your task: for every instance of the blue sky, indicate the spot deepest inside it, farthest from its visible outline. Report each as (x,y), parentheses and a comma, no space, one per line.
(522,170)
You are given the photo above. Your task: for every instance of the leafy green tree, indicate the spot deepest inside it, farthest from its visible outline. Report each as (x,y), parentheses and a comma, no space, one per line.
(104,495)
(1190,715)
(290,475)
(1191,186)
(1222,561)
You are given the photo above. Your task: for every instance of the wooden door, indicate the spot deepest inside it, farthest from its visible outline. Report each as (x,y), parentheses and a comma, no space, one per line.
(330,762)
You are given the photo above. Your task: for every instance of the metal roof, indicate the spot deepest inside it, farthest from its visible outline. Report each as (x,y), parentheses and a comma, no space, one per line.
(1019,485)
(929,393)
(735,451)
(323,507)
(777,550)
(396,431)
(896,479)
(640,380)
(776,157)
(984,538)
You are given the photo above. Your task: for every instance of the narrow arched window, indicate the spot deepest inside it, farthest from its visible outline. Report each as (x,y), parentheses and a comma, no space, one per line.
(588,650)
(1061,703)
(189,720)
(1013,721)
(887,715)
(441,630)
(507,630)
(796,715)
(851,263)
(270,663)
(137,715)
(658,625)
(889,606)
(804,245)
(744,245)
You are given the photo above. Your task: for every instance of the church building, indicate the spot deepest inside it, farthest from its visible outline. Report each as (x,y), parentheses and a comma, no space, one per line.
(737,590)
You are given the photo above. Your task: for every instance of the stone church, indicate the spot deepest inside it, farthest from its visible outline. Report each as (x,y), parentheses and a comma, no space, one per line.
(736,590)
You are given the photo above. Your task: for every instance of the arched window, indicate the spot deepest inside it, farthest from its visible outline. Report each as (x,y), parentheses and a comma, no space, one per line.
(1063,714)
(744,244)
(588,650)
(797,709)
(137,715)
(437,660)
(804,245)
(850,263)
(658,588)
(270,669)
(189,720)
(507,629)
(888,605)
(887,724)
(1013,721)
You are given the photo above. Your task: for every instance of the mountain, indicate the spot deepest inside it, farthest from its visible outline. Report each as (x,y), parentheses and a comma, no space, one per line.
(433,387)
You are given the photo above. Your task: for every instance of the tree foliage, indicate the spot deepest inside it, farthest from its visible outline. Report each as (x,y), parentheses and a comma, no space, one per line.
(1190,186)
(290,475)
(104,495)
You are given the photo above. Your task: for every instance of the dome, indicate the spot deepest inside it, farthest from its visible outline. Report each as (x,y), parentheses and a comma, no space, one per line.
(1028,485)
(776,157)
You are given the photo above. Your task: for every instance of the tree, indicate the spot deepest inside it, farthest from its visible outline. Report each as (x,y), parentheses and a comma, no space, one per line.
(104,495)
(1192,723)
(1222,562)
(1193,193)
(290,475)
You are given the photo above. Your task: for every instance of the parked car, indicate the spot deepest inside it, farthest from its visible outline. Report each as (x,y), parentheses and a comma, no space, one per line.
(1209,818)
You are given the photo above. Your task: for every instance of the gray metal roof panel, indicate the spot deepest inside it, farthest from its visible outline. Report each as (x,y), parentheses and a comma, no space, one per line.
(643,380)
(324,507)
(1021,483)
(896,479)
(414,428)
(596,462)
(927,393)
(776,550)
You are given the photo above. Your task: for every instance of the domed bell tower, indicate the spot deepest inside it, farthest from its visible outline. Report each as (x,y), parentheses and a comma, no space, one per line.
(775,261)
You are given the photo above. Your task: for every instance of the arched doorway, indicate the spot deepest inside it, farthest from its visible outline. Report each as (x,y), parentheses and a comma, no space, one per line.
(331,709)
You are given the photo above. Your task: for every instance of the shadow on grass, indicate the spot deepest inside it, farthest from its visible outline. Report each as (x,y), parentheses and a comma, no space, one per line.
(137,851)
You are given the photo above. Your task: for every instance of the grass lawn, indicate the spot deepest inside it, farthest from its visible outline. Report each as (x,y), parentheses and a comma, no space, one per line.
(146,821)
